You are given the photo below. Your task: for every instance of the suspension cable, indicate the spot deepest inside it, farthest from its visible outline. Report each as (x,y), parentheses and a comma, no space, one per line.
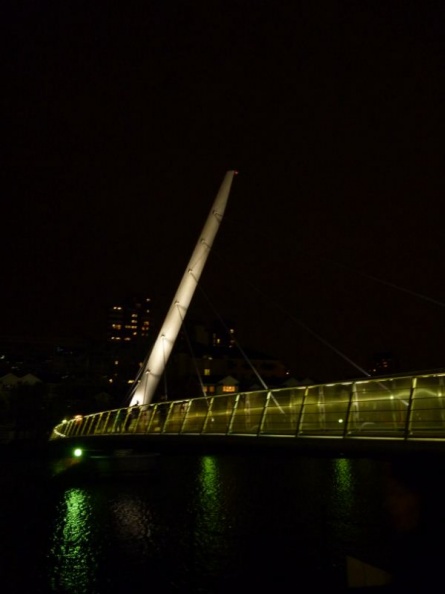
(352,269)
(260,379)
(189,344)
(246,358)
(339,265)
(137,380)
(306,327)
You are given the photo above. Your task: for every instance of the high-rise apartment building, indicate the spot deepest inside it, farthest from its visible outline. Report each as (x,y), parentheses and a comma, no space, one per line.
(129,320)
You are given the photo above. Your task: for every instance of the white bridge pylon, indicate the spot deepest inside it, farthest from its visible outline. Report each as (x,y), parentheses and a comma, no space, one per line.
(149,377)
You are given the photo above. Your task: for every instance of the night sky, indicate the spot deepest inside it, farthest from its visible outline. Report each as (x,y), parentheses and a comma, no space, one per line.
(120,120)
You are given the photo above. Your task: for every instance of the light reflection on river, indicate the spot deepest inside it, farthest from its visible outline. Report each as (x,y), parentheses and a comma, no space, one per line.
(209,524)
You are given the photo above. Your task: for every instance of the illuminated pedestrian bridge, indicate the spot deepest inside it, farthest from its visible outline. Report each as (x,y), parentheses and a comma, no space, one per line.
(391,409)
(399,409)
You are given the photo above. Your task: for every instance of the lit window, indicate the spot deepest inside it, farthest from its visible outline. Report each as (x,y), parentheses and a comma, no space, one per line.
(206,371)
(228,389)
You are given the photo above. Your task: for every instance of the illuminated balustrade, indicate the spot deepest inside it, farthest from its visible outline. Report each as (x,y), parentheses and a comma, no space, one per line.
(398,407)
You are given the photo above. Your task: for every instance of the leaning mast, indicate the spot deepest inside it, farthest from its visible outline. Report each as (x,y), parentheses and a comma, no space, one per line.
(151,374)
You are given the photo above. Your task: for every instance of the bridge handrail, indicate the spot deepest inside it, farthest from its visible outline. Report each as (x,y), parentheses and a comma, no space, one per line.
(401,407)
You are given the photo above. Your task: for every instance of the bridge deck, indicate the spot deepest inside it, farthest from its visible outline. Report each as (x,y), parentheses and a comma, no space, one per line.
(399,409)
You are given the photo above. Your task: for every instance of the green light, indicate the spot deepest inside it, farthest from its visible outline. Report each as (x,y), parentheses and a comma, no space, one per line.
(77,452)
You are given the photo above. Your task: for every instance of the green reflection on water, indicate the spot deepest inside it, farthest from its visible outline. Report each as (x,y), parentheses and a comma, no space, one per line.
(344,482)
(209,491)
(72,544)
(210,521)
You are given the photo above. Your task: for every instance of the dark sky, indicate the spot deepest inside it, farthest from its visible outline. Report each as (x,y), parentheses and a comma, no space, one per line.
(121,119)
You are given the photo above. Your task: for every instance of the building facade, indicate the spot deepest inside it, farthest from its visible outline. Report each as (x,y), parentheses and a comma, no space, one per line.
(129,320)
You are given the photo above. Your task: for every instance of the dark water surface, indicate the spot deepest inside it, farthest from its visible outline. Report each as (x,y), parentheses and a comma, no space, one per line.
(196,523)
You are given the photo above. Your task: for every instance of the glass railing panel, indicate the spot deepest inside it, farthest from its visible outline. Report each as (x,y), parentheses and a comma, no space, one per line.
(132,420)
(334,407)
(158,417)
(325,409)
(80,426)
(87,425)
(143,419)
(95,423)
(374,389)
(92,423)
(370,390)
(336,413)
(110,422)
(220,414)
(399,391)
(313,395)
(196,415)
(433,383)
(114,421)
(280,417)
(322,419)
(333,392)
(296,399)
(69,430)
(334,420)
(312,420)
(101,424)
(308,416)
(428,407)
(175,417)
(380,407)
(249,412)
(381,416)
(73,428)
(78,423)
(77,426)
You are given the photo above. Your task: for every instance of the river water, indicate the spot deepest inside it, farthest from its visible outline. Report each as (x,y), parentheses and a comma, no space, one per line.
(199,524)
